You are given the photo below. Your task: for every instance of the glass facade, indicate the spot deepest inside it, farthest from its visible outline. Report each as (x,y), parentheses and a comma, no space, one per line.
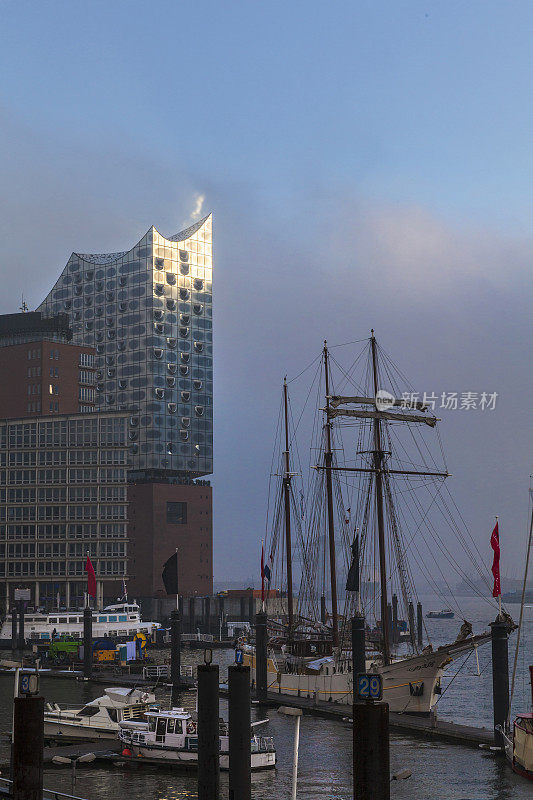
(148,313)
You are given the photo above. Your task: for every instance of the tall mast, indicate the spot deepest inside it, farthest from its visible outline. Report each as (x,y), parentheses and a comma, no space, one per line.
(287,495)
(328,457)
(378,464)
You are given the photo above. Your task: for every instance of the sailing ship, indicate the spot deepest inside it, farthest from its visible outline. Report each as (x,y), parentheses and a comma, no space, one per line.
(170,738)
(314,656)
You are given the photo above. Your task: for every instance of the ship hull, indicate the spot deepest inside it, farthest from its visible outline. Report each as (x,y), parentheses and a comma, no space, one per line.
(76,733)
(188,759)
(410,685)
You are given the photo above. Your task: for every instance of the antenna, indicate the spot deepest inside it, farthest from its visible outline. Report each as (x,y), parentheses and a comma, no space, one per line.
(23,307)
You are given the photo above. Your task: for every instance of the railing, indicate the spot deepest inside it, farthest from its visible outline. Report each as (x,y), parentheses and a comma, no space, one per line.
(159,671)
(6,787)
(163,671)
(197,637)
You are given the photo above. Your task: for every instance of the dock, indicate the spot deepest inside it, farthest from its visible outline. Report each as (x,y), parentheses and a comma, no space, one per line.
(108,677)
(430,727)
(101,748)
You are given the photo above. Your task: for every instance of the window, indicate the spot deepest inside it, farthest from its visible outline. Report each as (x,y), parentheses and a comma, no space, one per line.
(86,360)
(176,513)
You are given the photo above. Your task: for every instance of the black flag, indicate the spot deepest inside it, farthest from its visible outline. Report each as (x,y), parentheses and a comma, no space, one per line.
(352,580)
(170,574)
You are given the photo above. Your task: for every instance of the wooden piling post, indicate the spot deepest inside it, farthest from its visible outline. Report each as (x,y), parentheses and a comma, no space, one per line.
(28,744)
(261,675)
(208,733)
(371,759)
(500,677)
(419,624)
(87,642)
(240,776)
(358,645)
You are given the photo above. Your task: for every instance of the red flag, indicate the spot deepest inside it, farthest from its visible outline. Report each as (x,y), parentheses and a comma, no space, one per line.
(262,573)
(495,544)
(91,578)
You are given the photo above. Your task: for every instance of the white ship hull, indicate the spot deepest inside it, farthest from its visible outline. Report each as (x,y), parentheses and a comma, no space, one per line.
(171,757)
(410,685)
(72,731)
(121,620)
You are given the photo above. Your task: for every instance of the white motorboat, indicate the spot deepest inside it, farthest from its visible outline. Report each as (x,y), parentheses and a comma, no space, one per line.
(171,738)
(118,620)
(100,718)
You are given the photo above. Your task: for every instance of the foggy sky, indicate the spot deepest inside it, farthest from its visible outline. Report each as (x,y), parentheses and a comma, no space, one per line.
(315,254)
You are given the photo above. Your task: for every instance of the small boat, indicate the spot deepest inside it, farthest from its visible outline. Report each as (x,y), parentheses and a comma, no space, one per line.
(519,749)
(171,738)
(446,613)
(117,621)
(100,718)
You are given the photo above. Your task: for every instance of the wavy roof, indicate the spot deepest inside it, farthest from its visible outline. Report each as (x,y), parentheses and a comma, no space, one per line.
(188,232)
(107,258)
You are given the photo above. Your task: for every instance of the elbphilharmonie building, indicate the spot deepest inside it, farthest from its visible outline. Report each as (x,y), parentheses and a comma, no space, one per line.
(148,314)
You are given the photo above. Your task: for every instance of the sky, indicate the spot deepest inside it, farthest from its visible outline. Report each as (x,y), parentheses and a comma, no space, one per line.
(367,164)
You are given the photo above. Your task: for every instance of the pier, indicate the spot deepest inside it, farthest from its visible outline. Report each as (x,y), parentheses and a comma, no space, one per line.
(429,727)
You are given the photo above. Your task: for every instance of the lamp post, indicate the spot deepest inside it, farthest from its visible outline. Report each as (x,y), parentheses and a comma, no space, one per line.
(289,711)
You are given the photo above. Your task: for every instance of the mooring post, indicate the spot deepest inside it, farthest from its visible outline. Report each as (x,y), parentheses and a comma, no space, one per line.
(240,776)
(419,623)
(175,654)
(412,633)
(395,626)
(358,645)
(208,733)
(28,743)
(21,625)
(500,677)
(261,656)
(87,642)
(371,760)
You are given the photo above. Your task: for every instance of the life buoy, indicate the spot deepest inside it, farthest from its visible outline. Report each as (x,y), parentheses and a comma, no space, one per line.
(191,727)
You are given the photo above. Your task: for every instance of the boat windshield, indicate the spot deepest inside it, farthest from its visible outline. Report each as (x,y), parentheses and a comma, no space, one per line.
(88,711)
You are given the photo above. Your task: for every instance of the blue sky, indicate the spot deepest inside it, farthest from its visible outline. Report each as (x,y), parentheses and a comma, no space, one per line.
(366,163)
(418,101)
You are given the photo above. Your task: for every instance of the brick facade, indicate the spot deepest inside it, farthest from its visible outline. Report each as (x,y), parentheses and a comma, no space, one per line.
(156,529)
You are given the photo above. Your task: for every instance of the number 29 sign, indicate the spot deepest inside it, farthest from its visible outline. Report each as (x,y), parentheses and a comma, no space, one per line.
(369,686)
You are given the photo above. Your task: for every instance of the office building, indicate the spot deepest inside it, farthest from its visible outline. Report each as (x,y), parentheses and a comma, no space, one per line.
(147,312)
(42,371)
(63,495)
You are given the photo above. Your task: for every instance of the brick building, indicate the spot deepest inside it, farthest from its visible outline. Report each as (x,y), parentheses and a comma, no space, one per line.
(179,514)
(42,371)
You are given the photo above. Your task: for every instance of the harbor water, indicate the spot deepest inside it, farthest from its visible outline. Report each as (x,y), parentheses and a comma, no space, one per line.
(439,770)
